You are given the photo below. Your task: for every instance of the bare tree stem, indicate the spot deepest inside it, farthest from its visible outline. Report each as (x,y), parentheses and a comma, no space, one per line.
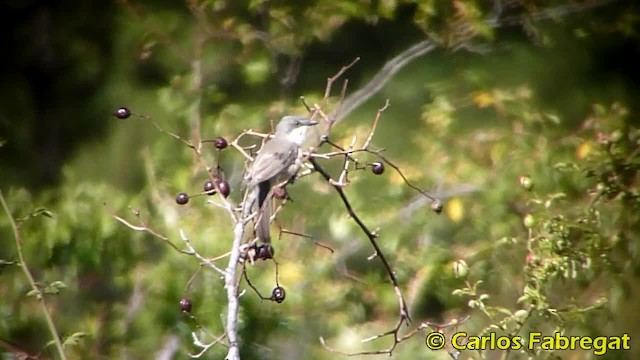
(231,284)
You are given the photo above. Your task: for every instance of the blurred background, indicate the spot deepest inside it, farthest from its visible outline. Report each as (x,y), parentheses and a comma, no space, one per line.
(522,119)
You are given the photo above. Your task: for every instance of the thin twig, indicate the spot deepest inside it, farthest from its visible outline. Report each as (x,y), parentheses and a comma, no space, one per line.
(335,77)
(34,287)
(202,259)
(423,47)
(376,83)
(144,228)
(396,338)
(375,124)
(205,347)
(162,130)
(306,236)
(404,178)
(404,311)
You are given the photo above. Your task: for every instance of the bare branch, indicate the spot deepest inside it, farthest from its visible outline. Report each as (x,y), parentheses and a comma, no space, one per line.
(547,14)
(404,311)
(374,85)
(397,339)
(335,77)
(306,236)
(162,130)
(205,347)
(375,124)
(423,47)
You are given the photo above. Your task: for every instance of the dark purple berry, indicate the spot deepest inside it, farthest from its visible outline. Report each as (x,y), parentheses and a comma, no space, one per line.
(122,113)
(185,305)
(224,188)
(220,143)
(436,206)
(265,252)
(278,294)
(280,193)
(377,167)
(209,187)
(182,198)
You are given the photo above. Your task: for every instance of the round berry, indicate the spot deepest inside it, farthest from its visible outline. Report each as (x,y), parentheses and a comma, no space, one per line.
(122,113)
(278,294)
(209,187)
(182,198)
(436,206)
(220,143)
(185,305)
(224,188)
(377,167)
(265,252)
(280,193)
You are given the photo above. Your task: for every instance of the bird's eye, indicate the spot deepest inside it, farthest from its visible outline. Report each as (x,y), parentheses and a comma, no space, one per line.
(296,122)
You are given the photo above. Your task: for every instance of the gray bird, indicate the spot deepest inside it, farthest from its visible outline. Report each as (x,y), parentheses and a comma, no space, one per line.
(278,161)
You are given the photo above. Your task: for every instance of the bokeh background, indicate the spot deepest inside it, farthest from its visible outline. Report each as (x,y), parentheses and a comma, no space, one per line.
(551,95)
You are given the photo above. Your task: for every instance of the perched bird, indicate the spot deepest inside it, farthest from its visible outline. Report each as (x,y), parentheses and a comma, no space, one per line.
(279,160)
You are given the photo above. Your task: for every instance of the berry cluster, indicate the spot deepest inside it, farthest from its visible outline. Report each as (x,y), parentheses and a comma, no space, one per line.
(217,184)
(210,187)
(258,252)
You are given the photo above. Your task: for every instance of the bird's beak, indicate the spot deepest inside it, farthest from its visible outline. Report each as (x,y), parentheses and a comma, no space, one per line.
(307,122)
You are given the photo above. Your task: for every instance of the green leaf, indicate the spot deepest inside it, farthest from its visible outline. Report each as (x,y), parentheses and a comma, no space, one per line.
(499,309)
(54,287)
(35,292)
(565,166)
(7,263)
(74,339)
(42,212)
(35,213)
(558,195)
(552,117)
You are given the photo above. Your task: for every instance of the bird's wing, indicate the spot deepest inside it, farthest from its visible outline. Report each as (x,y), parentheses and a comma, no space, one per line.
(274,157)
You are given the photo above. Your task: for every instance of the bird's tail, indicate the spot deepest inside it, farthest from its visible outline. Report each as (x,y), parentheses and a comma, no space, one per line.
(264,212)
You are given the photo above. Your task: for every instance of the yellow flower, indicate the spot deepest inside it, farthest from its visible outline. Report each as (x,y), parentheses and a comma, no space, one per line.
(583,150)
(483,99)
(455,210)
